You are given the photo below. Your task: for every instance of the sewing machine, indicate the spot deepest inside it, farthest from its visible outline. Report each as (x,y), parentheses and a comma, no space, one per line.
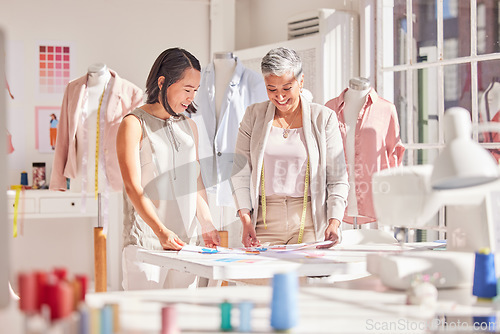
(465,180)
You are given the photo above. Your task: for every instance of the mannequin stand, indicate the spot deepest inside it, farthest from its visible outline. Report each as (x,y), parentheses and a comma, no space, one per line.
(100,264)
(224,243)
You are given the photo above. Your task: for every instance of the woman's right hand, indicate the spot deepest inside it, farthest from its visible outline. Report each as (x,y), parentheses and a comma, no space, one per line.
(249,237)
(169,240)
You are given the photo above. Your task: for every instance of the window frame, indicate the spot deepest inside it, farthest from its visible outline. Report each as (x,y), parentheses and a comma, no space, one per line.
(386,46)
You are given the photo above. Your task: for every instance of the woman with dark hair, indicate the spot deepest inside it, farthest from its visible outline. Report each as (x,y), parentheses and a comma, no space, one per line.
(157,147)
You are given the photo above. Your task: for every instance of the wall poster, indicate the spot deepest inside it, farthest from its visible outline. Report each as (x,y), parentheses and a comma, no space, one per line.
(55,62)
(46,120)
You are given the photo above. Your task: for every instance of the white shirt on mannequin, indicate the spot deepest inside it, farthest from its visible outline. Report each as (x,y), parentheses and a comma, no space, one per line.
(98,77)
(355,98)
(224,65)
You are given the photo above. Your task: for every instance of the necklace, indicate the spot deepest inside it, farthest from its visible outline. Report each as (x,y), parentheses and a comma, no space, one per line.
(287,129)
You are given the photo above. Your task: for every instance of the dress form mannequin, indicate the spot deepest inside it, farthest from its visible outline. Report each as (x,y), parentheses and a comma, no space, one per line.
(227,88)
(489,109)
(224,65)
(98,77)
(355,98)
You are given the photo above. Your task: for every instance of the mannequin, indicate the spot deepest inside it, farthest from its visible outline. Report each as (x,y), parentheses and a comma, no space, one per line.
(354,98)
(369,128)
(489,109)
(98,77)
(227,88)
(74,155)
(224,64)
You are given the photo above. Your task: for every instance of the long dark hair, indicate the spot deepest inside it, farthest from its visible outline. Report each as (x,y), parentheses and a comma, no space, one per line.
(170,64)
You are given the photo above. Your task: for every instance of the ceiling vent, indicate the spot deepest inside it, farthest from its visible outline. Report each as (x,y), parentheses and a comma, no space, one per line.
(327,41)
(303,25)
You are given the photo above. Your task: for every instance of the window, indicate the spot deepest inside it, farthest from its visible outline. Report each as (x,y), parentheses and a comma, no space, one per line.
(437,54)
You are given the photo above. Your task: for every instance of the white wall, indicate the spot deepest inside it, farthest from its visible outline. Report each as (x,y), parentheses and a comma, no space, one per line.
(265,21)
(127,35)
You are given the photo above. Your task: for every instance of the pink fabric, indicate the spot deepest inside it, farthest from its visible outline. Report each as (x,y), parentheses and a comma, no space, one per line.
(377,147)
(493,137)
(124,97)
(285,163)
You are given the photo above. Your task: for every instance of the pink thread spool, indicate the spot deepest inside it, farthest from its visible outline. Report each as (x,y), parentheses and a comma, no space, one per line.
(27,292)
(169,320)
(41,280)
(83,279)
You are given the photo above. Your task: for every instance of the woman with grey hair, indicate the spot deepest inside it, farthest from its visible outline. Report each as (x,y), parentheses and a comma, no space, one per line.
(289,176)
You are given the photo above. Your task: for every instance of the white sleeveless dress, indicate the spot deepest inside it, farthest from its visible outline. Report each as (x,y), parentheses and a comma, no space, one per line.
(169,172)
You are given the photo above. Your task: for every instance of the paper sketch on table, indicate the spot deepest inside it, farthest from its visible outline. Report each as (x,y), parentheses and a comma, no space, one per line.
(253,250)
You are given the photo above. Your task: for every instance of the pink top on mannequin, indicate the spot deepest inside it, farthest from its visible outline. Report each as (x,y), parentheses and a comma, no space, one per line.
(370,131)
(123,97)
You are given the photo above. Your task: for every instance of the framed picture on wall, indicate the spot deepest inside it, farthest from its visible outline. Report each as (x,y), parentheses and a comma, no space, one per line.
(46,120)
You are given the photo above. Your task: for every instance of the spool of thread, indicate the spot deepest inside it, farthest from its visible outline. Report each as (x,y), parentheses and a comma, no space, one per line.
(284,304)
(83,279)
(485,281)
(61,273)
(50,296)
(169,320)
(76,286)
(225,316)
(95,320)
(116,317)
(65,298)
(24,178)
(84,327)
(486,324)
(41,280)
(245,317)
(107,320)
(27,292)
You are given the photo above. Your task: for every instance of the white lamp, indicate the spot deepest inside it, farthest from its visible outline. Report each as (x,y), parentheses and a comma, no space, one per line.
(464,176)
(463,162)
(410,196)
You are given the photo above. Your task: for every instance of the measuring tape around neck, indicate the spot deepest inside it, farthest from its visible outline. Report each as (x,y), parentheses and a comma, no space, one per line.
(304,204)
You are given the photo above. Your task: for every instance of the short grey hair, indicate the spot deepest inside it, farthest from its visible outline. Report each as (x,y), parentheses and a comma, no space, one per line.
(280,61)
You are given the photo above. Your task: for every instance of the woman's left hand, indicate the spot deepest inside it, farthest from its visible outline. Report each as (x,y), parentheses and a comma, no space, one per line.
(332,233)
(210,235)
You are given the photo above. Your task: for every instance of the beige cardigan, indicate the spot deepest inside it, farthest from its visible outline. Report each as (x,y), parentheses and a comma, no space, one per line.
(328,175)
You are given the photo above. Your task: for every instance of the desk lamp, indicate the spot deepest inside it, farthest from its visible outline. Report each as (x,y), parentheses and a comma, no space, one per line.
(464,176)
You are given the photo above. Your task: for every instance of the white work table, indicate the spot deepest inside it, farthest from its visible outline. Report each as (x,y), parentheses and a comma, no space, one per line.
(233,267)
(359,306)
(341,262)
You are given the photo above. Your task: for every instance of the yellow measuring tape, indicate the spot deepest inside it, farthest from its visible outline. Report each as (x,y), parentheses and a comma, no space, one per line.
(96,178)
(18,189)
(304,204)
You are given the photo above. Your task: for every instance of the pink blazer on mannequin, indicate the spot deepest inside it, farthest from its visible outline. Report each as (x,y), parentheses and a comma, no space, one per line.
(124,97)
(377,146)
